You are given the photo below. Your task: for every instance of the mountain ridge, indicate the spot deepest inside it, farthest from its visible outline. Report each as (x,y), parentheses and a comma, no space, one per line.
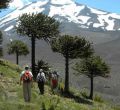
(67,12)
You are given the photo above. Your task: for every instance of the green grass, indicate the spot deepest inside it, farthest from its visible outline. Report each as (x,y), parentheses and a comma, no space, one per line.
(8,69)
(11,97)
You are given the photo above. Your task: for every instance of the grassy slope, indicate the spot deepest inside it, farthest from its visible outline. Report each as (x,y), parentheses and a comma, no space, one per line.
(11,95)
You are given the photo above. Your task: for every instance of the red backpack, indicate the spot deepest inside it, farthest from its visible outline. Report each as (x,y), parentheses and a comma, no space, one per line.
(27,76)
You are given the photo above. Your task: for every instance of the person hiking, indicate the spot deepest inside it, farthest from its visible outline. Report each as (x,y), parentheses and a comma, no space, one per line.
(41,81)
(49,75)
(54,80)
(26,77)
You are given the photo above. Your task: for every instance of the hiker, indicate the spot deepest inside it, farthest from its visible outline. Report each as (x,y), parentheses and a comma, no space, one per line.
(41,81)
(49,75)
(61,86)
(26,77)
(54,80)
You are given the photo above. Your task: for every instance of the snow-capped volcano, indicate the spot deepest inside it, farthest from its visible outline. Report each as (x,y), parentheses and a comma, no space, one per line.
(69,13)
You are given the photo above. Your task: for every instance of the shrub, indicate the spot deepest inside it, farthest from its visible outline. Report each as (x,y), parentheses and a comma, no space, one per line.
(84,93)
(98,98)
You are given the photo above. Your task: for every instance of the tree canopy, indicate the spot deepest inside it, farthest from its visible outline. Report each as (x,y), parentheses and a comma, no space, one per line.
(17,46)
(39,26)
(93,65)
(4,3)
(76,47)
(42,65)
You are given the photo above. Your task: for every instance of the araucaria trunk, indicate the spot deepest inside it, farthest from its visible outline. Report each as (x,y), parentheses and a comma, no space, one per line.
(66,89)
(91,90)
(33,56)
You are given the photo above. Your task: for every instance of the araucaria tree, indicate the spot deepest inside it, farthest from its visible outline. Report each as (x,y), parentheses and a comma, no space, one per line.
(92,67)
(19,48)
(37,26)
(71,48)
(42,65)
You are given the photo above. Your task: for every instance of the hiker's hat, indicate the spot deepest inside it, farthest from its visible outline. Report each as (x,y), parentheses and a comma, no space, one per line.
(26,67)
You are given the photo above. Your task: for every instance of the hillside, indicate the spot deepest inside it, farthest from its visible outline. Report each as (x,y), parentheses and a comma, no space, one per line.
(11,95)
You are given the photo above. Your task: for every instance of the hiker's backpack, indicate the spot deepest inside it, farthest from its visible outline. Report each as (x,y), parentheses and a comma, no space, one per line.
(40,78)
(27,76)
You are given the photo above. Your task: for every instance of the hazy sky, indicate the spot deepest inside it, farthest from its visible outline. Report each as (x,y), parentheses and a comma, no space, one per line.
(107,5)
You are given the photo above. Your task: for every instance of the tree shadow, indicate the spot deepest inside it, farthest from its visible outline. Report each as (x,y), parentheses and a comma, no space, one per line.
(78,99)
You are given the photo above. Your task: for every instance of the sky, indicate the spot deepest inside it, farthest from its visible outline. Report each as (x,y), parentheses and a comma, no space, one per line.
(106,5)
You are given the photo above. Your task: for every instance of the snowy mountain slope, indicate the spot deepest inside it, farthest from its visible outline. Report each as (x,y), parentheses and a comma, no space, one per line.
(66,11)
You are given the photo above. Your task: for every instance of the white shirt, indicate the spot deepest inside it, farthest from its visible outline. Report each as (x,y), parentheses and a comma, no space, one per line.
(41,74)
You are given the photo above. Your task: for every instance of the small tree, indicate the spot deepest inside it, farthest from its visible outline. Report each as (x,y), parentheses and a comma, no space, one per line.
(42,65)
(71,48)
(92,67)
(37,26)
(19,48)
